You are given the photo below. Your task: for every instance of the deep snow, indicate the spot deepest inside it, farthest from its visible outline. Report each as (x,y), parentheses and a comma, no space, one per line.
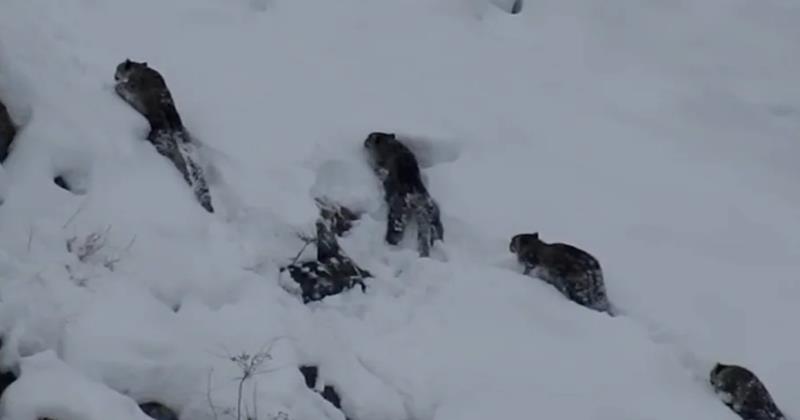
(661,136)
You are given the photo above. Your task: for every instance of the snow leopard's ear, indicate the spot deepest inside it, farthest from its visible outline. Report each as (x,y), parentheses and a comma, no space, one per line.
(717,369)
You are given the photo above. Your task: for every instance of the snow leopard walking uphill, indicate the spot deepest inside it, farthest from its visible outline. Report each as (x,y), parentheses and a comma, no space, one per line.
(145,90)
(745,394)
(405,193)
(572,271)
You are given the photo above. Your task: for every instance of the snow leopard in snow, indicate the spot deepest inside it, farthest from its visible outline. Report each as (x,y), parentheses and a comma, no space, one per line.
(146,91)
(744,393)
(404,192)
(331,273)
(574,272)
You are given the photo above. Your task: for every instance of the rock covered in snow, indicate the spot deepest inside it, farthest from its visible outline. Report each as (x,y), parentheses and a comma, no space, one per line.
(7,132)
(49,388)
(158,411)
(331,273)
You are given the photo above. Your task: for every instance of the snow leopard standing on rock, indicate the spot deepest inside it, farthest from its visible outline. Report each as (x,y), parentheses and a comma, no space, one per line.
(404,192)
(574,272)
(146,91)
(744,393)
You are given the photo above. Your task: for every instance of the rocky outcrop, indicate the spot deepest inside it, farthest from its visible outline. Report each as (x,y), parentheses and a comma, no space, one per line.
(8,131)
(158,411)
(311,376)
(331,273)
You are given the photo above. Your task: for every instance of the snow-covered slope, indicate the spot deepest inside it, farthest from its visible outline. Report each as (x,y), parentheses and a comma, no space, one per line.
(661,136)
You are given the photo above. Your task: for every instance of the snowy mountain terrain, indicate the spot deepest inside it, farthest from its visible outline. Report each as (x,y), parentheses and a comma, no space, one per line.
(661,136)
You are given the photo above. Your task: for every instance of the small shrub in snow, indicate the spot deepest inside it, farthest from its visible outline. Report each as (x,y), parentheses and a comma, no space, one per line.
(250,365)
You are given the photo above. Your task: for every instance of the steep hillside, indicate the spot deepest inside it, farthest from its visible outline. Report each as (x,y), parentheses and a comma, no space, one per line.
(661,136)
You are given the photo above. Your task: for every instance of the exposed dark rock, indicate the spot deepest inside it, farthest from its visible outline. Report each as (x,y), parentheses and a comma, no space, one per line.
(331,273)
(8,131)
(71,182)
(61,182)
(158,411)
(509,6)
(311,374)
(7,377)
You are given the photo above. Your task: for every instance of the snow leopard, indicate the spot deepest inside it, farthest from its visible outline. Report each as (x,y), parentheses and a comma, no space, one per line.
(745,394)
(404,192)
(146,91)
(331,273)
(573,272)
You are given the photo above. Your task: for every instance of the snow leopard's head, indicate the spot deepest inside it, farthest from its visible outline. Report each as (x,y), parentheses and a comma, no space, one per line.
(523,241)
(378,140)
(126,68)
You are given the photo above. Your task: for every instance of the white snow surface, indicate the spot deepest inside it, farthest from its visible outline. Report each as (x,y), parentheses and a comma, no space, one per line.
(661,136)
